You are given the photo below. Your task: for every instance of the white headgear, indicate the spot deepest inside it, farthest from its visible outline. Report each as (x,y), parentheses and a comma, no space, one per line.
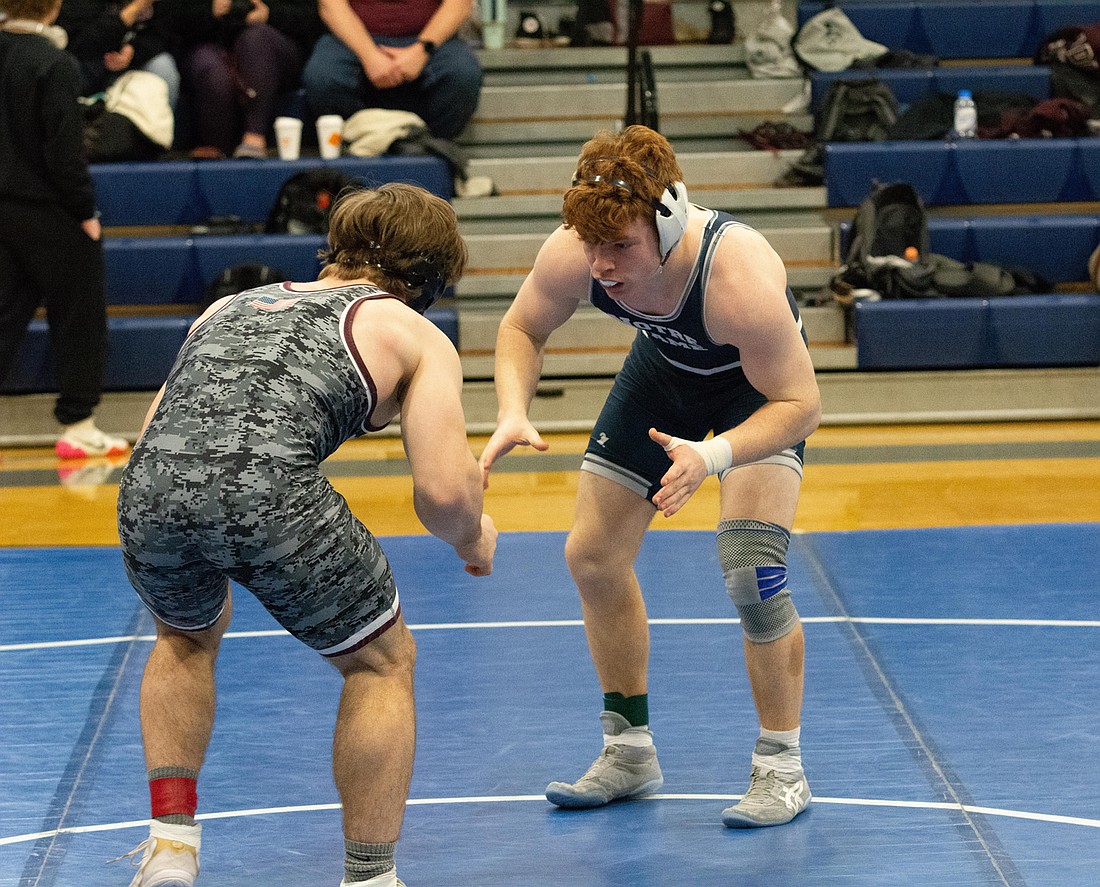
(672,217)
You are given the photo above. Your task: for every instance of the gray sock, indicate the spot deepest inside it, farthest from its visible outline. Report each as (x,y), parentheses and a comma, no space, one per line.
(365,861)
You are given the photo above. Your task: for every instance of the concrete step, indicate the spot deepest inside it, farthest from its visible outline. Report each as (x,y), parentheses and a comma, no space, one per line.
(521,176)
(740,182)
(505,285)
(589,329)
(575,131)
(572,404)
(516,66)
(492,253)
(849,398)
(571,112)
(674,99)
(754,205)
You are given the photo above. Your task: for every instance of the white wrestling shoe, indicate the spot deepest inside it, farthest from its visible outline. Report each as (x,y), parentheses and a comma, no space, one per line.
(389,879)
(170,857)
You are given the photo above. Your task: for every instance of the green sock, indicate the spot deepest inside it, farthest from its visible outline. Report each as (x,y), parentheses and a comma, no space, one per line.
(634,708)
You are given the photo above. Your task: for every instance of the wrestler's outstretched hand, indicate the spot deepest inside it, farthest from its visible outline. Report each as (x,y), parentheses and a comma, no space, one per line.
(680,482)
(511,433)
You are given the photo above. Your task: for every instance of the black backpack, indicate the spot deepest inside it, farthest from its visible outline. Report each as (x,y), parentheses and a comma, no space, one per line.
(110,137)
(890,222)
(304,200)
(854,111)
(237,279)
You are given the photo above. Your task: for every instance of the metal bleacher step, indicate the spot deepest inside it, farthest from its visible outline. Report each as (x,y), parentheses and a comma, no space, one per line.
(797,245)
(499,261)
(572,114)
(516,66)
(749,202)
(562,96)
(739,182)
(592,344)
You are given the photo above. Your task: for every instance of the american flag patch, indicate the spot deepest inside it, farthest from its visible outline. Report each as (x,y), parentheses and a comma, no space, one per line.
(273,303)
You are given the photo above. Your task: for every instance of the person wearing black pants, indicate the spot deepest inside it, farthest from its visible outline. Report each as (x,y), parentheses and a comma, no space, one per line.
(50,250)
(237,59)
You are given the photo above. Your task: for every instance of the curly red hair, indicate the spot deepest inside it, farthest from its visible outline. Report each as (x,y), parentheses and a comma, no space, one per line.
(619,178)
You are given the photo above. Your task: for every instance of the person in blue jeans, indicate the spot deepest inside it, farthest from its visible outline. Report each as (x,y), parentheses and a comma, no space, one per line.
(401,56)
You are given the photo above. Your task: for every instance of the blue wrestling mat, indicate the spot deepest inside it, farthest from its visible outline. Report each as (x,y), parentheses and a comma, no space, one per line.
(950,730)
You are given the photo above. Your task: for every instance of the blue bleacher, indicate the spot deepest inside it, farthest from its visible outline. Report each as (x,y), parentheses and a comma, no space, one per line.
(959,333)
(1056,247)
(954,29)
(142,351)
(159,271)
(1050,329)
(911,84)
(971,172)
(293,254)
(185,193)
(177,270)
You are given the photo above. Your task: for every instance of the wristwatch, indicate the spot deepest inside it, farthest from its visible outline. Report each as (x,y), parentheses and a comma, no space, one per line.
(429,45)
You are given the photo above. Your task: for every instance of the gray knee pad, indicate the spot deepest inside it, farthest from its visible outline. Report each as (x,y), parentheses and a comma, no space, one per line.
(754,563)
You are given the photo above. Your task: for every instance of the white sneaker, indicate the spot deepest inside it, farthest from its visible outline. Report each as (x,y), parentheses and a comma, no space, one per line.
(83,439)
(170,857)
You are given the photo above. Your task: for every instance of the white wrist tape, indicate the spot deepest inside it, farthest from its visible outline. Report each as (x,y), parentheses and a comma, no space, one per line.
(716,452)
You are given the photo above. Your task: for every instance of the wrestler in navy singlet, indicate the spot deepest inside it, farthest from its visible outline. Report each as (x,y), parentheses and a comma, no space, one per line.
(226,481)
(675,378)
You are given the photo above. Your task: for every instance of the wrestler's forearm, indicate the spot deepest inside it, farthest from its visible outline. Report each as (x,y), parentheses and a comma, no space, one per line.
(517,371)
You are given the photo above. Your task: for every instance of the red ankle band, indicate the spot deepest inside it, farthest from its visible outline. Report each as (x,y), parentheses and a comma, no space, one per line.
(173,795)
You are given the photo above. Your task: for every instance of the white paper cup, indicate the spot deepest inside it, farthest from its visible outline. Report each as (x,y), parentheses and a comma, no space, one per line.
(288,137)
(330,128)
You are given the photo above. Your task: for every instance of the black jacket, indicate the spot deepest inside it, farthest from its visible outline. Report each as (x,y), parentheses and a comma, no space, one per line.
(41,126)
(94,28)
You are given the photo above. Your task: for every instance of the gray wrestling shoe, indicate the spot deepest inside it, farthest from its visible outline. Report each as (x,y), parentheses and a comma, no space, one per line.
(621,771)
(773,798)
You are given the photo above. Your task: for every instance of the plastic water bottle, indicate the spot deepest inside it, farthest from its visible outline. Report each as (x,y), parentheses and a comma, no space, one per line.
(966,116)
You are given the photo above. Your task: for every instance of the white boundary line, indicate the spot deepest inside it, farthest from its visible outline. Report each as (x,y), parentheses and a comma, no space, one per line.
(577,623)
(508,799)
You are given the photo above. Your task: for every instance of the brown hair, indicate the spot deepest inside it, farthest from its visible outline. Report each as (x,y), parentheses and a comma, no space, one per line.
(619,177)
(398,235)
(35,10)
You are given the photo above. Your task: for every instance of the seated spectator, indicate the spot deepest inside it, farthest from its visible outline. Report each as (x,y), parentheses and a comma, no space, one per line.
(238,56)
(109,38)
(50,249)
(401,56)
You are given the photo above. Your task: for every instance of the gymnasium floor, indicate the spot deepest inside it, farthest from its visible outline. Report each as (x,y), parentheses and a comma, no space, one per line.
(948,579)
